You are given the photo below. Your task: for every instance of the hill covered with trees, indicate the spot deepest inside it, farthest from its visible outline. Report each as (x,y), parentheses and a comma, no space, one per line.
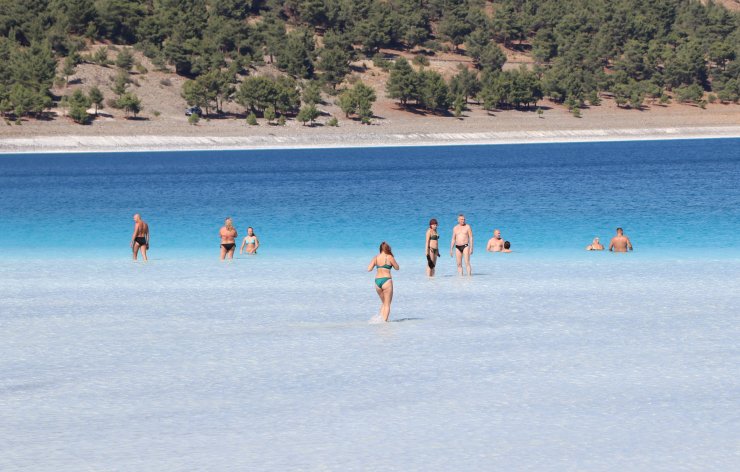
(578,51)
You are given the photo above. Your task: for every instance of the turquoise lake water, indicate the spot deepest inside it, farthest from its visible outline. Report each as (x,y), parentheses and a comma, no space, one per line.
(673,196)
(549,358)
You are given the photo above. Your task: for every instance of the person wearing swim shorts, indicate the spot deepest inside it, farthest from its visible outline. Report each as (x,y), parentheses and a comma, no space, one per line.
(228,235)
(432,247)
(140,238)
(384,262)
(462,244)
(250,243)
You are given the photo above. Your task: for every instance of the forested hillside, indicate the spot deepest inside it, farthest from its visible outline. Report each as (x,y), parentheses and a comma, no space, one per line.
(576,51)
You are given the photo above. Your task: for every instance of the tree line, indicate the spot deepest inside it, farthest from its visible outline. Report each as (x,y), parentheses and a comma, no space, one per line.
(631,49)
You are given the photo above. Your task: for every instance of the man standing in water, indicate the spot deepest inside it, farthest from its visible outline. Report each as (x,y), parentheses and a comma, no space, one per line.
(462,242)
(140,238)
(620,242)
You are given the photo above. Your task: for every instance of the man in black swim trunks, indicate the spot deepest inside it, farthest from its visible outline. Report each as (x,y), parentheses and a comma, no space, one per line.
(462,244)
(140,238)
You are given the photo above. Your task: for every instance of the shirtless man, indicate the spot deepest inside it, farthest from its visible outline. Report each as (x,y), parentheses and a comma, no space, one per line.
(620,242)
(496,243)
(140,238)
(228,235)
(462,244)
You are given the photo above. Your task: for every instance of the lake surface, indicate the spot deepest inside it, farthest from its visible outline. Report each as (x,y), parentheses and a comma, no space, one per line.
(549,358)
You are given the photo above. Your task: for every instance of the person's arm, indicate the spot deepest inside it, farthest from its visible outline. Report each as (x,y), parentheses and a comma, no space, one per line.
(371,266)
(256,243)
(394,263)
(147,237)
(611,245)
(426,243)
(470,233)
(629,243)
(452,242)
(244,243)
(488,246)
(133,236)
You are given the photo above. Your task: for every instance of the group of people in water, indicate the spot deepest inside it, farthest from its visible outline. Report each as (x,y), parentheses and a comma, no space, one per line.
(228,236)
(227,233)
(461,246)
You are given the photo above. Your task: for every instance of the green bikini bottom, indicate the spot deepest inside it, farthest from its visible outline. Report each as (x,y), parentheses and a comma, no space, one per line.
(381,280)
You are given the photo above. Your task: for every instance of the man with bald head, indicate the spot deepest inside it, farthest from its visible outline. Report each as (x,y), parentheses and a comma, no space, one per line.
(140,238)
(496,243)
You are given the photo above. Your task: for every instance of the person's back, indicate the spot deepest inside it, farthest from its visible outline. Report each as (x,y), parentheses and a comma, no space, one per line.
(620,242)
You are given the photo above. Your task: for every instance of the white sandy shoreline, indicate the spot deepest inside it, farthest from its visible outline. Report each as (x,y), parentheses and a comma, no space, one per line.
(77,144)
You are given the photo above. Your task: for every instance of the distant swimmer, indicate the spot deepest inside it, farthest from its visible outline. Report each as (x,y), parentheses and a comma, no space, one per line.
(620,242)
(228,235)
(250,243)
(507,247)
(496,243)
(595,245)
(383,281)
(462,240)
(140,238)
(432,247)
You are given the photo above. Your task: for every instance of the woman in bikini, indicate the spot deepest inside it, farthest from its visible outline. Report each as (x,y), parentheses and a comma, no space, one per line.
(432,247)
(383,282)
(250,243)
(228,235)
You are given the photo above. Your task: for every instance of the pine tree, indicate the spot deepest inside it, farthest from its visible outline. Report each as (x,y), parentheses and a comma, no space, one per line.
(96,97)
(403,83)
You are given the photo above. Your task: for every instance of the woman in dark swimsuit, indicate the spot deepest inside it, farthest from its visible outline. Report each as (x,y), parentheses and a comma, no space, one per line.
(228,235)
(432,247)
(383,282)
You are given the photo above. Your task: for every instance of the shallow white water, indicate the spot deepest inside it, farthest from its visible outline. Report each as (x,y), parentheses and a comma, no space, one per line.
(598,363)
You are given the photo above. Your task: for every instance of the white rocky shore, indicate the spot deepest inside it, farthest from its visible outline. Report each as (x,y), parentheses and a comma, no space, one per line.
(127,143)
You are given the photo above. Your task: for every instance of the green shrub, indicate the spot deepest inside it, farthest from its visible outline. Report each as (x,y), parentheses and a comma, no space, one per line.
(421,60)
(252,119)
(333,122)
(380,61)
(193,119)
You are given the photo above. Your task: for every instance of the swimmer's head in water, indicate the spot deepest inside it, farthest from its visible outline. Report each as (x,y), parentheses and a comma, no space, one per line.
(596,240)
(507,245)
(432,222)
(620,231)
(497,234)
(461,219)
(228,223)
(137,217)
(250,231)
(385,248)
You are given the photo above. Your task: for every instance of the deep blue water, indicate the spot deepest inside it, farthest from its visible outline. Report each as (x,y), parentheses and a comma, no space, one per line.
(668,195)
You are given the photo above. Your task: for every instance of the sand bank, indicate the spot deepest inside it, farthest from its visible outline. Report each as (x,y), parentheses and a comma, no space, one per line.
(128,143)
